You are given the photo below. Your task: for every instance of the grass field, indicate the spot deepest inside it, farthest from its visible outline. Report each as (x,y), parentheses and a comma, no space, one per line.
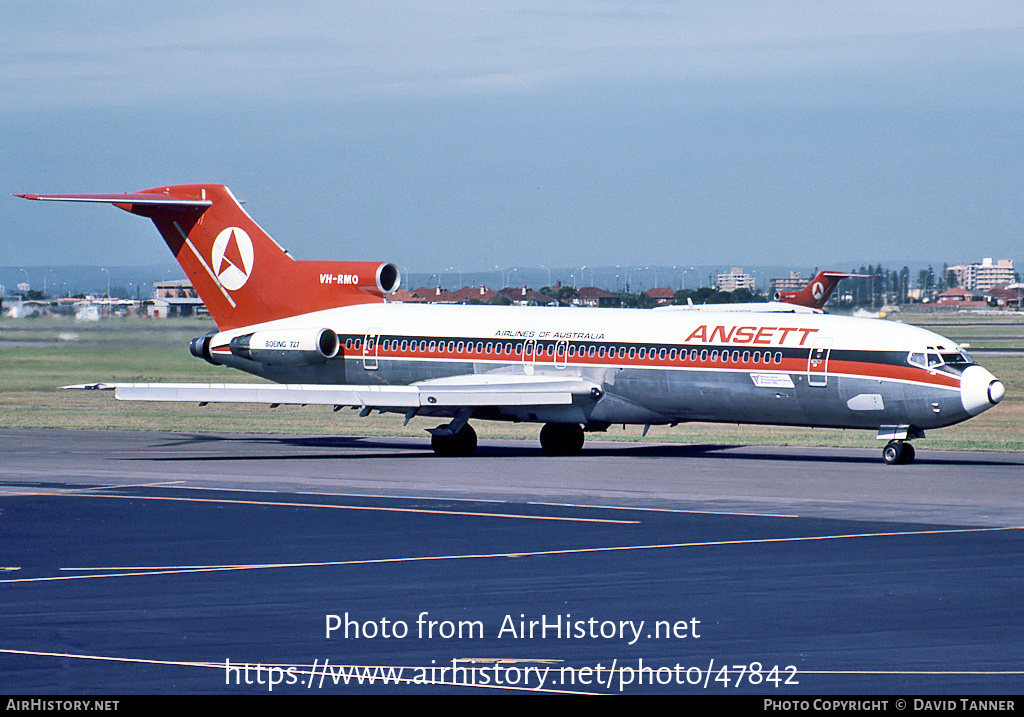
(37,356)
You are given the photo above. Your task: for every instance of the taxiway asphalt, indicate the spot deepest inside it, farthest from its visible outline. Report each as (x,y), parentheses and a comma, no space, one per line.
(159,562)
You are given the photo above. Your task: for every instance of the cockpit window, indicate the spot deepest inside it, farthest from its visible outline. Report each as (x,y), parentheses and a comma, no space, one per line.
(958,359)
(934,358)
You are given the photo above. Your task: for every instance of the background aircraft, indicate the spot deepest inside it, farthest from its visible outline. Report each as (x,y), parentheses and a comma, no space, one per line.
(816,293)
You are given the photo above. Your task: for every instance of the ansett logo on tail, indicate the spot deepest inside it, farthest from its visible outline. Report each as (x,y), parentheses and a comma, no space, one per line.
(232,258)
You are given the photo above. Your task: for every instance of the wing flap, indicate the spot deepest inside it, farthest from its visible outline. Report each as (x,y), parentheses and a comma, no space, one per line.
(541,392)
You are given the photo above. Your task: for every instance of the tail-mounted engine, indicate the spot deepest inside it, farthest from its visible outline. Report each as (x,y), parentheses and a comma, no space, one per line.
(200,348)
(287,347)
(360,276)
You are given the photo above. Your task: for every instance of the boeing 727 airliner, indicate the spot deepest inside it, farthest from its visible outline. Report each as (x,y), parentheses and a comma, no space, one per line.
(324,332)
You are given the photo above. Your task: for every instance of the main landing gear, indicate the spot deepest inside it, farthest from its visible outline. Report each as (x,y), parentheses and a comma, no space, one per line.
(561,439)
(557,439)
(898,452)
(460,443)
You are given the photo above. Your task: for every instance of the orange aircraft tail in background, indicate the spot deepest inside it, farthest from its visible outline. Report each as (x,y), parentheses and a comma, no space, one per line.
(815,294)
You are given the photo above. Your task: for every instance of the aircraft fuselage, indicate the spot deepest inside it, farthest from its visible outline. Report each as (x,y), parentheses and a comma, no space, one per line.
(652,367)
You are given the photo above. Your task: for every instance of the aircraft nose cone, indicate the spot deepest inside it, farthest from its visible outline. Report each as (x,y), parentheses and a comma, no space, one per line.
(996,392)
(980,390)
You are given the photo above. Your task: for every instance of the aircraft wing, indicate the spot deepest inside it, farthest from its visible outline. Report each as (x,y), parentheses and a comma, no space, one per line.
(457,392)
(765,307)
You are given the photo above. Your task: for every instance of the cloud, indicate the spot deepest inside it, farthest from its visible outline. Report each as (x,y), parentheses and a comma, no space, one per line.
(117,53)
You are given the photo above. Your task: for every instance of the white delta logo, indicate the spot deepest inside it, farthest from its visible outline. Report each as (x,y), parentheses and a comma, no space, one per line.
(232,258)
(817,290)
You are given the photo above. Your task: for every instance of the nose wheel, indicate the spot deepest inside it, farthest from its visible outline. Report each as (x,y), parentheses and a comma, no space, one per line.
(898,452)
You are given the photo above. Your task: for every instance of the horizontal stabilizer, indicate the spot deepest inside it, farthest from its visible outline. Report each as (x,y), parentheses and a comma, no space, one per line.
(136,198)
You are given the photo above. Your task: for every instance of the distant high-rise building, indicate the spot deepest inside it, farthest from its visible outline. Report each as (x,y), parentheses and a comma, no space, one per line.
(735,279)
(983,276)
(794,282)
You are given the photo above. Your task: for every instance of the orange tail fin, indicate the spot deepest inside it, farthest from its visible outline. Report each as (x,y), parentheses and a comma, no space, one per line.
(815,294)
(242,275)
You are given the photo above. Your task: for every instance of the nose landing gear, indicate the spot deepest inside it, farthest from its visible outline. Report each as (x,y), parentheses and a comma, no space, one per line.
(898,452)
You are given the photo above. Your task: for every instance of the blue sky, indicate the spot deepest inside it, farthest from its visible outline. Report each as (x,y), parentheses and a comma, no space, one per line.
(475,135)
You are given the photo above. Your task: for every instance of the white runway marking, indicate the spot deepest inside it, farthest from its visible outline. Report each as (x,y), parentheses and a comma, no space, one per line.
(311,672)
(665,510)
(135,571)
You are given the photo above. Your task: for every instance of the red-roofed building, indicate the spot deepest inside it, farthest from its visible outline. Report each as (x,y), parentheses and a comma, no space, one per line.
(593,296)
(523,296)
(404,297)
(662,296)
(1006,295)
(434,294)
(468,294)
(960,299)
